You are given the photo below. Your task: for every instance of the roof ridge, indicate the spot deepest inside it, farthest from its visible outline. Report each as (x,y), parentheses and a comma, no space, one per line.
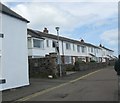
(4,9)
(60,37)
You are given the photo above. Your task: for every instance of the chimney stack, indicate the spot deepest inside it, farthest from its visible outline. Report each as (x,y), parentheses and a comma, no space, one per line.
(45,30)
(100,45)
(82,40)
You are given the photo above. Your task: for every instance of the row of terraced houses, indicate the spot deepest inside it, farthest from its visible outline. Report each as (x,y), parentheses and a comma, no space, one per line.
(42,43)
(17,44)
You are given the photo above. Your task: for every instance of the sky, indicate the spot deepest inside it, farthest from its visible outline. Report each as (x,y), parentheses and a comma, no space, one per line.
(95,21)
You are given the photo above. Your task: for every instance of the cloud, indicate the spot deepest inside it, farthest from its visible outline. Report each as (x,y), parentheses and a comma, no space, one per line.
(110,40)
(46,14)
(66,15)
(59,0)
(93,20)
(110,37)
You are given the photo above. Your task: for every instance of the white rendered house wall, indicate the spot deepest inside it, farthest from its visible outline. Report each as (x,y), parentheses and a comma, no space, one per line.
(14,53)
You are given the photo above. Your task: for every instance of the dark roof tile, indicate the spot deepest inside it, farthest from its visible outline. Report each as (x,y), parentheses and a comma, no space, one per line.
(34,34)
(107,49)
(42,34)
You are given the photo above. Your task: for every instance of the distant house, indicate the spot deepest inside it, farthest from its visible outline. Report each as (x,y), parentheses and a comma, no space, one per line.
(13,49)
(42,43)
(107,54)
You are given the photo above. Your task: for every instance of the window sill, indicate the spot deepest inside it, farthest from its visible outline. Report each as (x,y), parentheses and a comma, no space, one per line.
(37,48)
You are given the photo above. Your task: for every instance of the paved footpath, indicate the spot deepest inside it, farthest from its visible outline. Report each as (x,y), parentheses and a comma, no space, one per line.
(90,85)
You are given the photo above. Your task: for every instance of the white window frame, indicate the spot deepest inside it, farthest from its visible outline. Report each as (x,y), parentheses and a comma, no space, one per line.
(83,48)
(91,49)
(69,46)
(55,42)
(47,43)
(73,47)
(42,41)
(78,48)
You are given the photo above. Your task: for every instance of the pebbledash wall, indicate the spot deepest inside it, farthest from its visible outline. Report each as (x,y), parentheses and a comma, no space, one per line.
(13,55)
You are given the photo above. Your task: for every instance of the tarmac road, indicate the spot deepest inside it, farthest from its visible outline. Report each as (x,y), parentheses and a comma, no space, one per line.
(100,85)
(40,84)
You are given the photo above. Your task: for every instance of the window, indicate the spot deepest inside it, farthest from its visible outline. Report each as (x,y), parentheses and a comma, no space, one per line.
(96,50)
(83,49)
(68,60)
(88,49)
(54,44)
(2,81)
(78,48)
(47,43)
(68,46)
(1,35)
(38,43)
(91,50)
(73,47)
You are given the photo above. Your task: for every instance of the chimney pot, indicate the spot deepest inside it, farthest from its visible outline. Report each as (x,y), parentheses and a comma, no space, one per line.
(100,45)
(82,40)
(45,30)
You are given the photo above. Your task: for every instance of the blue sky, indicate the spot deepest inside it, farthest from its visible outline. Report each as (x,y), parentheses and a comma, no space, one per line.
(95,22)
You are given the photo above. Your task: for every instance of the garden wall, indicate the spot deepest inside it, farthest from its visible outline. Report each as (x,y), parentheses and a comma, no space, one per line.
(43,67)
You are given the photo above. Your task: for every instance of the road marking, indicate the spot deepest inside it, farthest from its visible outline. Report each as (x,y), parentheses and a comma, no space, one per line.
(40,93)
(50,89)
(84,76)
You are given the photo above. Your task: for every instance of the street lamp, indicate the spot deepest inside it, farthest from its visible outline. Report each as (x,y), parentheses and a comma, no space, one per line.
(58,57)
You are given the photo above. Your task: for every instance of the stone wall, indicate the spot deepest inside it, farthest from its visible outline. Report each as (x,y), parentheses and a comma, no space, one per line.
(90,65)
(111,62)
(43,67)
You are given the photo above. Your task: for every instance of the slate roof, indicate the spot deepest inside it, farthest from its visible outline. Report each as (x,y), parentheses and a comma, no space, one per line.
(107,49)
(39,34)
(5,10)
(33,34)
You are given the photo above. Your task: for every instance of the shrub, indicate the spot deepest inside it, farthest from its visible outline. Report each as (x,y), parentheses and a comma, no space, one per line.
(93,61)
(77,65)
(69,67)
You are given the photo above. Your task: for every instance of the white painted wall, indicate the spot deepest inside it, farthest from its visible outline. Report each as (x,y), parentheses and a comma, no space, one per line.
(0,53)
(1,46)
(46,50)
(1,33)
(72,52)
(105,54)
(40,52)
(98,52)
(0,68)
(14,53)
